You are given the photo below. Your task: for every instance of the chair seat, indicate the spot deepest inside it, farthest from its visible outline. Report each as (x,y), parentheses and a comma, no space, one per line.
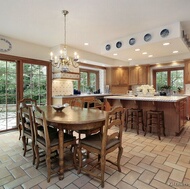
(95,141)
(52,132)
(54,139)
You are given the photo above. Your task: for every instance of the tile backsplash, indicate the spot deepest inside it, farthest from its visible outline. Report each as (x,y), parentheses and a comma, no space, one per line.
(62,87)
(187,88)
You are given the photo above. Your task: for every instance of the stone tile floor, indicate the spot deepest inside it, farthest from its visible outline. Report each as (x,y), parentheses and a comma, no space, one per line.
(147,163)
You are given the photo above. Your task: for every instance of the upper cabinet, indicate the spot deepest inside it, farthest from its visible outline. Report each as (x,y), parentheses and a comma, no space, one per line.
(119,76)
(187,73)
(138,75)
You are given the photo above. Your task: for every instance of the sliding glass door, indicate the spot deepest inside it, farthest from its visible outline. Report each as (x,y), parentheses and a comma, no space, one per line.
(21,80)
(8,95)
(35,82)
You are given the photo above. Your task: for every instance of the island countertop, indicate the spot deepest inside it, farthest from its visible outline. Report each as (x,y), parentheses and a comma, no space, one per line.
(81,95)
(148,98)
(174,108)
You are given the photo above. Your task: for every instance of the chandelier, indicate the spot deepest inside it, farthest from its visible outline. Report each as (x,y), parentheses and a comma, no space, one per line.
(64,61)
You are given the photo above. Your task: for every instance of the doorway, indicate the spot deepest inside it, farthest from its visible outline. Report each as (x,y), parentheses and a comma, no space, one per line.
(8,95)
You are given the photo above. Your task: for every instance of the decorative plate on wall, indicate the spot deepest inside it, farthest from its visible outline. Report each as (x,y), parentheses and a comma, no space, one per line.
(119,44)
(132,41)
(164,33)
(147,37)
(5,45)
(108,47)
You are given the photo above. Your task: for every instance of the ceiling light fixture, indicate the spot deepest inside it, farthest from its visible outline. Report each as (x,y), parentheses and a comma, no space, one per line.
(115,54)
(165,44)
(130,59)
(144,53)
(175,52)
(86,44)
(150,55)
(137,50)
(64,60)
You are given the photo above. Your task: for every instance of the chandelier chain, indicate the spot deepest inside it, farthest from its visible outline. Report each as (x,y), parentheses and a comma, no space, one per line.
(65,35)
(64,60)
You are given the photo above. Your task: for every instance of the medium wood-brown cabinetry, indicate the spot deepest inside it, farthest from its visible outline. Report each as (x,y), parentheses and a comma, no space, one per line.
(138,75)
(187,73)
(182,113)
(119,76)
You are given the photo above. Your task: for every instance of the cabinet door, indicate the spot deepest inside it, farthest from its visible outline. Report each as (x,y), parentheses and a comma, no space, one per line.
(133,75)
(142,74)
(119,76)
(187,73)
(115,78)
(124,76)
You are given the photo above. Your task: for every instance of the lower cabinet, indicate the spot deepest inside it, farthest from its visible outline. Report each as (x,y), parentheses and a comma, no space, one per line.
(182,113)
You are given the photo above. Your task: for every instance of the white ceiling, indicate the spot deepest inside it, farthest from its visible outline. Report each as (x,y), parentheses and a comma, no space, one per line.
(96,22)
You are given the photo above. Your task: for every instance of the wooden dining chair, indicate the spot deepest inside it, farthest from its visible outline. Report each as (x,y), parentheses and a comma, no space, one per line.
(26,123)
(47,140)
(95,103)
(103,143)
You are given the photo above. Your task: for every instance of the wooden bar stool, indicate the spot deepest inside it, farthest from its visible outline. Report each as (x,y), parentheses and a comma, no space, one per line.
(155,118)
(134,117)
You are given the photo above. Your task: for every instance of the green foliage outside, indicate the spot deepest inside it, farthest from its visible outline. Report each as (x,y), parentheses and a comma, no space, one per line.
(34,85)
(176,80)
(34,82)
(87,82)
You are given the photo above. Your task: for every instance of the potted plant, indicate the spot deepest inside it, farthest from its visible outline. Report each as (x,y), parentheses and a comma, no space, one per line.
(165,89)
(89,89)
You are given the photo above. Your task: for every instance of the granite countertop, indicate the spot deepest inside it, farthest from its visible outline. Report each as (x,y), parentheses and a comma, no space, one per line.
(148,98)
(81,95)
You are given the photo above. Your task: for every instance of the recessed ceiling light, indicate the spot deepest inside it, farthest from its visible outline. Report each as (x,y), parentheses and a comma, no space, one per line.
(86,44)
(144,53)
(175,52)
(130,59)
(137,49)
(150,55)
(165,44)
(115,54)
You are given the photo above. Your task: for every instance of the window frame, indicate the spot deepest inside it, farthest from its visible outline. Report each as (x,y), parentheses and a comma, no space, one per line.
(89,71)
(168,70)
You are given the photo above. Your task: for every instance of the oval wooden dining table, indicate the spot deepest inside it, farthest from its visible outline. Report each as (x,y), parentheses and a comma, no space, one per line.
(72,118)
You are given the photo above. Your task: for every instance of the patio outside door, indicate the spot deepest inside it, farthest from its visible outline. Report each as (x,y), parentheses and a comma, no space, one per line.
(8,95)
(19,80)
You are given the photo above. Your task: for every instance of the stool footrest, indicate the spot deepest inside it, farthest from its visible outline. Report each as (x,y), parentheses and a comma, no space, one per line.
(155,118)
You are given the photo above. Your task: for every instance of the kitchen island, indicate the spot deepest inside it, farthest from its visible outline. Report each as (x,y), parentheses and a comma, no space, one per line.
(61,99)
(174,108)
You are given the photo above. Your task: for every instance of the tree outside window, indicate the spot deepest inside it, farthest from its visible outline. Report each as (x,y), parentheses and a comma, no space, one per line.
(172,78)
(89,81)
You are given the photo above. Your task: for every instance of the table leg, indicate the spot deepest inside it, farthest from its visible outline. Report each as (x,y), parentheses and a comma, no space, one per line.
(61,154)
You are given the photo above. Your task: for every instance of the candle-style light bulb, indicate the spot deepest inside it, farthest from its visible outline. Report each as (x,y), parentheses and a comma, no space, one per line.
(51,55)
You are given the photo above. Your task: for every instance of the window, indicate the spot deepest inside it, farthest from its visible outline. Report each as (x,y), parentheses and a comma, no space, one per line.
(35,82)
(89,81)
(21,78)
(169,77)
(8,95)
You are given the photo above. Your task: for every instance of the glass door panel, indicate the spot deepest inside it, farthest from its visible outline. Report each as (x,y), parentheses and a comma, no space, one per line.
(35,82)
(161,80)
(8,95)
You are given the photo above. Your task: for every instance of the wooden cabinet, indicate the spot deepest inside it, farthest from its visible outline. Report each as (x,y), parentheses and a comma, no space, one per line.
(187,73)
(188,108)
(119,76)
(138,75)
(133,75)
(182,113)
